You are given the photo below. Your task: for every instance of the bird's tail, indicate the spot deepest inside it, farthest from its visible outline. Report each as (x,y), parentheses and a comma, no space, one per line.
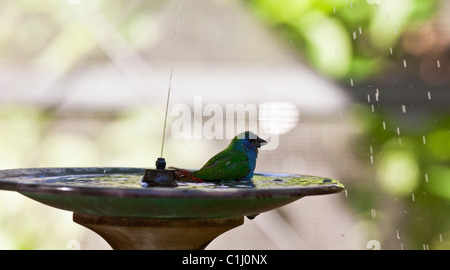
(185,175)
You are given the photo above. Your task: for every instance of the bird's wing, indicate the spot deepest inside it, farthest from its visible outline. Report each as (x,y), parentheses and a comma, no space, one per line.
(226,165)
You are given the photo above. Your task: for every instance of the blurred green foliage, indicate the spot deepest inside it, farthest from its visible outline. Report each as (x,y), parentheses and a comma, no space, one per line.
(22,130)
(57,36)
(404,191)
(341,38)
(411,173)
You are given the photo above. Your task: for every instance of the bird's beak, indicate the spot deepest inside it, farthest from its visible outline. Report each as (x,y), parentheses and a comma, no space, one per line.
(261,142)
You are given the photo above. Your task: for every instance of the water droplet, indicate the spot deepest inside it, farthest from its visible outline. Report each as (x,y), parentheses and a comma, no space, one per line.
(373,108)
(438,64)
(373,212)
(403,108)
(426,247)
(440,237)
(426,177)
(390,50)
(360,30)
(377,94)
(398,235)
(404,63)
(384,125)
(412,197)
(351,82)
(371,159)
(398,131)
(354,35)
(346,194)
(429,95)
(368,98)
(400,141)
(371,152)
(424,141)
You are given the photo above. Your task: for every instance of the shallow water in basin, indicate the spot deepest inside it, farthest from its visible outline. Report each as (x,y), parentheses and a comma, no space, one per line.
(260,181)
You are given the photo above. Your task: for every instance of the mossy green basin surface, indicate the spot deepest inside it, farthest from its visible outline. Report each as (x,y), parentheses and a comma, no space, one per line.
(116,191)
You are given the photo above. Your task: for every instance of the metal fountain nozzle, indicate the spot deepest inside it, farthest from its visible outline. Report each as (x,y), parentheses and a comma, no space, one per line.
(161,177)
(160,163)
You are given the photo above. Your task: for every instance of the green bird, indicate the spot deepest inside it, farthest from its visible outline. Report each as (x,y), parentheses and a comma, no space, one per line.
(237,162)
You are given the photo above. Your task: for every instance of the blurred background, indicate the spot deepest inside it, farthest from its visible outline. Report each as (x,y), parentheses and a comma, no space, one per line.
(360,90)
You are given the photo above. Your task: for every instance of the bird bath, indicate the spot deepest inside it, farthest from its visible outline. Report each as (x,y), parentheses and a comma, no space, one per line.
(111,202)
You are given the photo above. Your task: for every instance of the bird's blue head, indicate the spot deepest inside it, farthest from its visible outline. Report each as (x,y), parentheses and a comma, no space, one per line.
(249,141)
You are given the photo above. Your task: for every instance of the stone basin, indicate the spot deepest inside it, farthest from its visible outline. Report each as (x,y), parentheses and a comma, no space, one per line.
(111,202)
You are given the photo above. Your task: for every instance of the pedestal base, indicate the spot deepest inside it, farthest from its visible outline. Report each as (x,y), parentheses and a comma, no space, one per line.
(147,233)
